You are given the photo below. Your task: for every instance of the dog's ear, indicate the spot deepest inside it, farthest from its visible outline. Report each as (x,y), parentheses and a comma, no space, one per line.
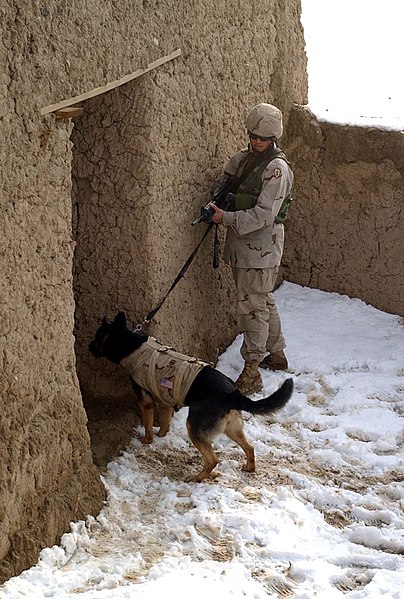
(120,320)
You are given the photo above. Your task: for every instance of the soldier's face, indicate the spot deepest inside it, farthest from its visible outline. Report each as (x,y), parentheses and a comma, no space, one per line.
(259,146)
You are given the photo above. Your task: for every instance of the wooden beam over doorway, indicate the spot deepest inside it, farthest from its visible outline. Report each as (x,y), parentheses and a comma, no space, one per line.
(109,86)
(68,113)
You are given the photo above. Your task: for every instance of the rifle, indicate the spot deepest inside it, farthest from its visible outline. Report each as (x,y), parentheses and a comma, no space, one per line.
(222,198)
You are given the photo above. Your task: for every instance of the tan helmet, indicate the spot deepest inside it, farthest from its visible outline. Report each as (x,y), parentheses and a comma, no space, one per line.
(265,120)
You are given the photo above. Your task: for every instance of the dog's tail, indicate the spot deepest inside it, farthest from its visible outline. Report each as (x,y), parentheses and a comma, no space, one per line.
(269,404)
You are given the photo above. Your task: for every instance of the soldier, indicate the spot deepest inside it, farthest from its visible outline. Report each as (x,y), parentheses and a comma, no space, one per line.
(254,241)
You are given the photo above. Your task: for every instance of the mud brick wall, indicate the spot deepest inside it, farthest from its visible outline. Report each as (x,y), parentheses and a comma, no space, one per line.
(346,228)
(140,162)
(145,159)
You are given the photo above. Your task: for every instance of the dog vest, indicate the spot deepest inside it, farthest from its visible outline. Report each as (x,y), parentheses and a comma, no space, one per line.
(166,374)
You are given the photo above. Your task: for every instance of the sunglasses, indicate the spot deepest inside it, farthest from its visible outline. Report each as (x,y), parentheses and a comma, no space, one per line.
(254,136)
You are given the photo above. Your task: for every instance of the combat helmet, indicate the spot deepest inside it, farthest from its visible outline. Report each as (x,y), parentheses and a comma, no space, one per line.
(265,120)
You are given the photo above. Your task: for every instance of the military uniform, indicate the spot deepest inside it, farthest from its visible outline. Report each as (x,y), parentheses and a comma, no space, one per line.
(254,247)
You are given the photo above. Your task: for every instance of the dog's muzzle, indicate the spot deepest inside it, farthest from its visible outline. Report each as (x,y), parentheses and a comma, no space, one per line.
(97,353)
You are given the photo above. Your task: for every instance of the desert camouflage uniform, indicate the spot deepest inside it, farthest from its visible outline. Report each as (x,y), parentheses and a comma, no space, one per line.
(253,248)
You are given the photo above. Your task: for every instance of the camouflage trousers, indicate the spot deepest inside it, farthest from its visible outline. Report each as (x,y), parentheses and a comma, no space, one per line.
(258,317)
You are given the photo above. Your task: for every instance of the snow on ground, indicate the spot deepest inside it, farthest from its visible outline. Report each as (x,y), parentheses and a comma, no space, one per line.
(321,518)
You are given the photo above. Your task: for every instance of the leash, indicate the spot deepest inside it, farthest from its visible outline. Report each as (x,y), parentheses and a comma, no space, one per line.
(247,169)
(177,279)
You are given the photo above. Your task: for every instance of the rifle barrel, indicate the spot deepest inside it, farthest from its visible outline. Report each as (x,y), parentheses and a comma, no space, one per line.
(197,221)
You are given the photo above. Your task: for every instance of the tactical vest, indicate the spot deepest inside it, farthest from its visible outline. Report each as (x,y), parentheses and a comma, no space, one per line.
(166,374)
(249,189)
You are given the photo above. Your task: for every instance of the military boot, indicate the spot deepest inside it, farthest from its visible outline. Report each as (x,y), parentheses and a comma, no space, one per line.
(275,361)
(249,380)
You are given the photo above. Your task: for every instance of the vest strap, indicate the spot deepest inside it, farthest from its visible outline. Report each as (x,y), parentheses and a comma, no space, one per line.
(178,379)
(151,379)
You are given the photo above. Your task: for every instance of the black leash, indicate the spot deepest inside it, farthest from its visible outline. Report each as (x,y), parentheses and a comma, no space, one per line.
(182,272)
(247,169)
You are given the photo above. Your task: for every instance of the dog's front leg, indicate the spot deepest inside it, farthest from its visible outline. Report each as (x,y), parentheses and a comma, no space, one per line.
(147,415)
(165,417)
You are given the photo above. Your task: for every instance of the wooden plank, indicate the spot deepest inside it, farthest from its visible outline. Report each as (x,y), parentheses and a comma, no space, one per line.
(69,112)
(109,86)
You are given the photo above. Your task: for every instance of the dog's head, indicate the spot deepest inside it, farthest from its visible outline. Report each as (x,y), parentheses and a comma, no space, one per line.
(114,340)
(105,337)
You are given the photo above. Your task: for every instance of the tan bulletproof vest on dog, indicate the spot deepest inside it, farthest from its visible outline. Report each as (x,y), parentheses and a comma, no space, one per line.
(166,374)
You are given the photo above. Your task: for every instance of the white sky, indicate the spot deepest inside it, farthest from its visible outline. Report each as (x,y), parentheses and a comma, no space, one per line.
(355,52)
(323,517)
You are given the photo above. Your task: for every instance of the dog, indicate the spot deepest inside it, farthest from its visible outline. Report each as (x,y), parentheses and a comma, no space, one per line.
(215,404)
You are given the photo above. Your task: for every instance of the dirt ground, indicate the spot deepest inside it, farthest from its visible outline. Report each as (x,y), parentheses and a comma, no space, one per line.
(110,425)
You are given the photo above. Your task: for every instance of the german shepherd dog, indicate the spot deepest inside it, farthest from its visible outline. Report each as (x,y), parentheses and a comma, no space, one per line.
(213,400)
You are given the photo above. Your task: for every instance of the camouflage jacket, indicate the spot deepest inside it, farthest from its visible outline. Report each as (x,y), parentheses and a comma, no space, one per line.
(253,239)
(166,374)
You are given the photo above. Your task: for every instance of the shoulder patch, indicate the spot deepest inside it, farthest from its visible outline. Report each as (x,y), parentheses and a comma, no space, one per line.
(277,173)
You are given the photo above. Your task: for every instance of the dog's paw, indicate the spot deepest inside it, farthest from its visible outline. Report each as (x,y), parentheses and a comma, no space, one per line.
(201,476)
(146,440)
(162,432)
(196,478)
(248,467)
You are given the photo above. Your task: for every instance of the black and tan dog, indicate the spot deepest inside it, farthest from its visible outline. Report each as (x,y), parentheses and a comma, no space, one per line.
(213,399)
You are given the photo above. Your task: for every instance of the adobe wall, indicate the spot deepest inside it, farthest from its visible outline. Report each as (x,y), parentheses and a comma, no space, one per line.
(145,158)
(46,470)
(346,229)
(191,114)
